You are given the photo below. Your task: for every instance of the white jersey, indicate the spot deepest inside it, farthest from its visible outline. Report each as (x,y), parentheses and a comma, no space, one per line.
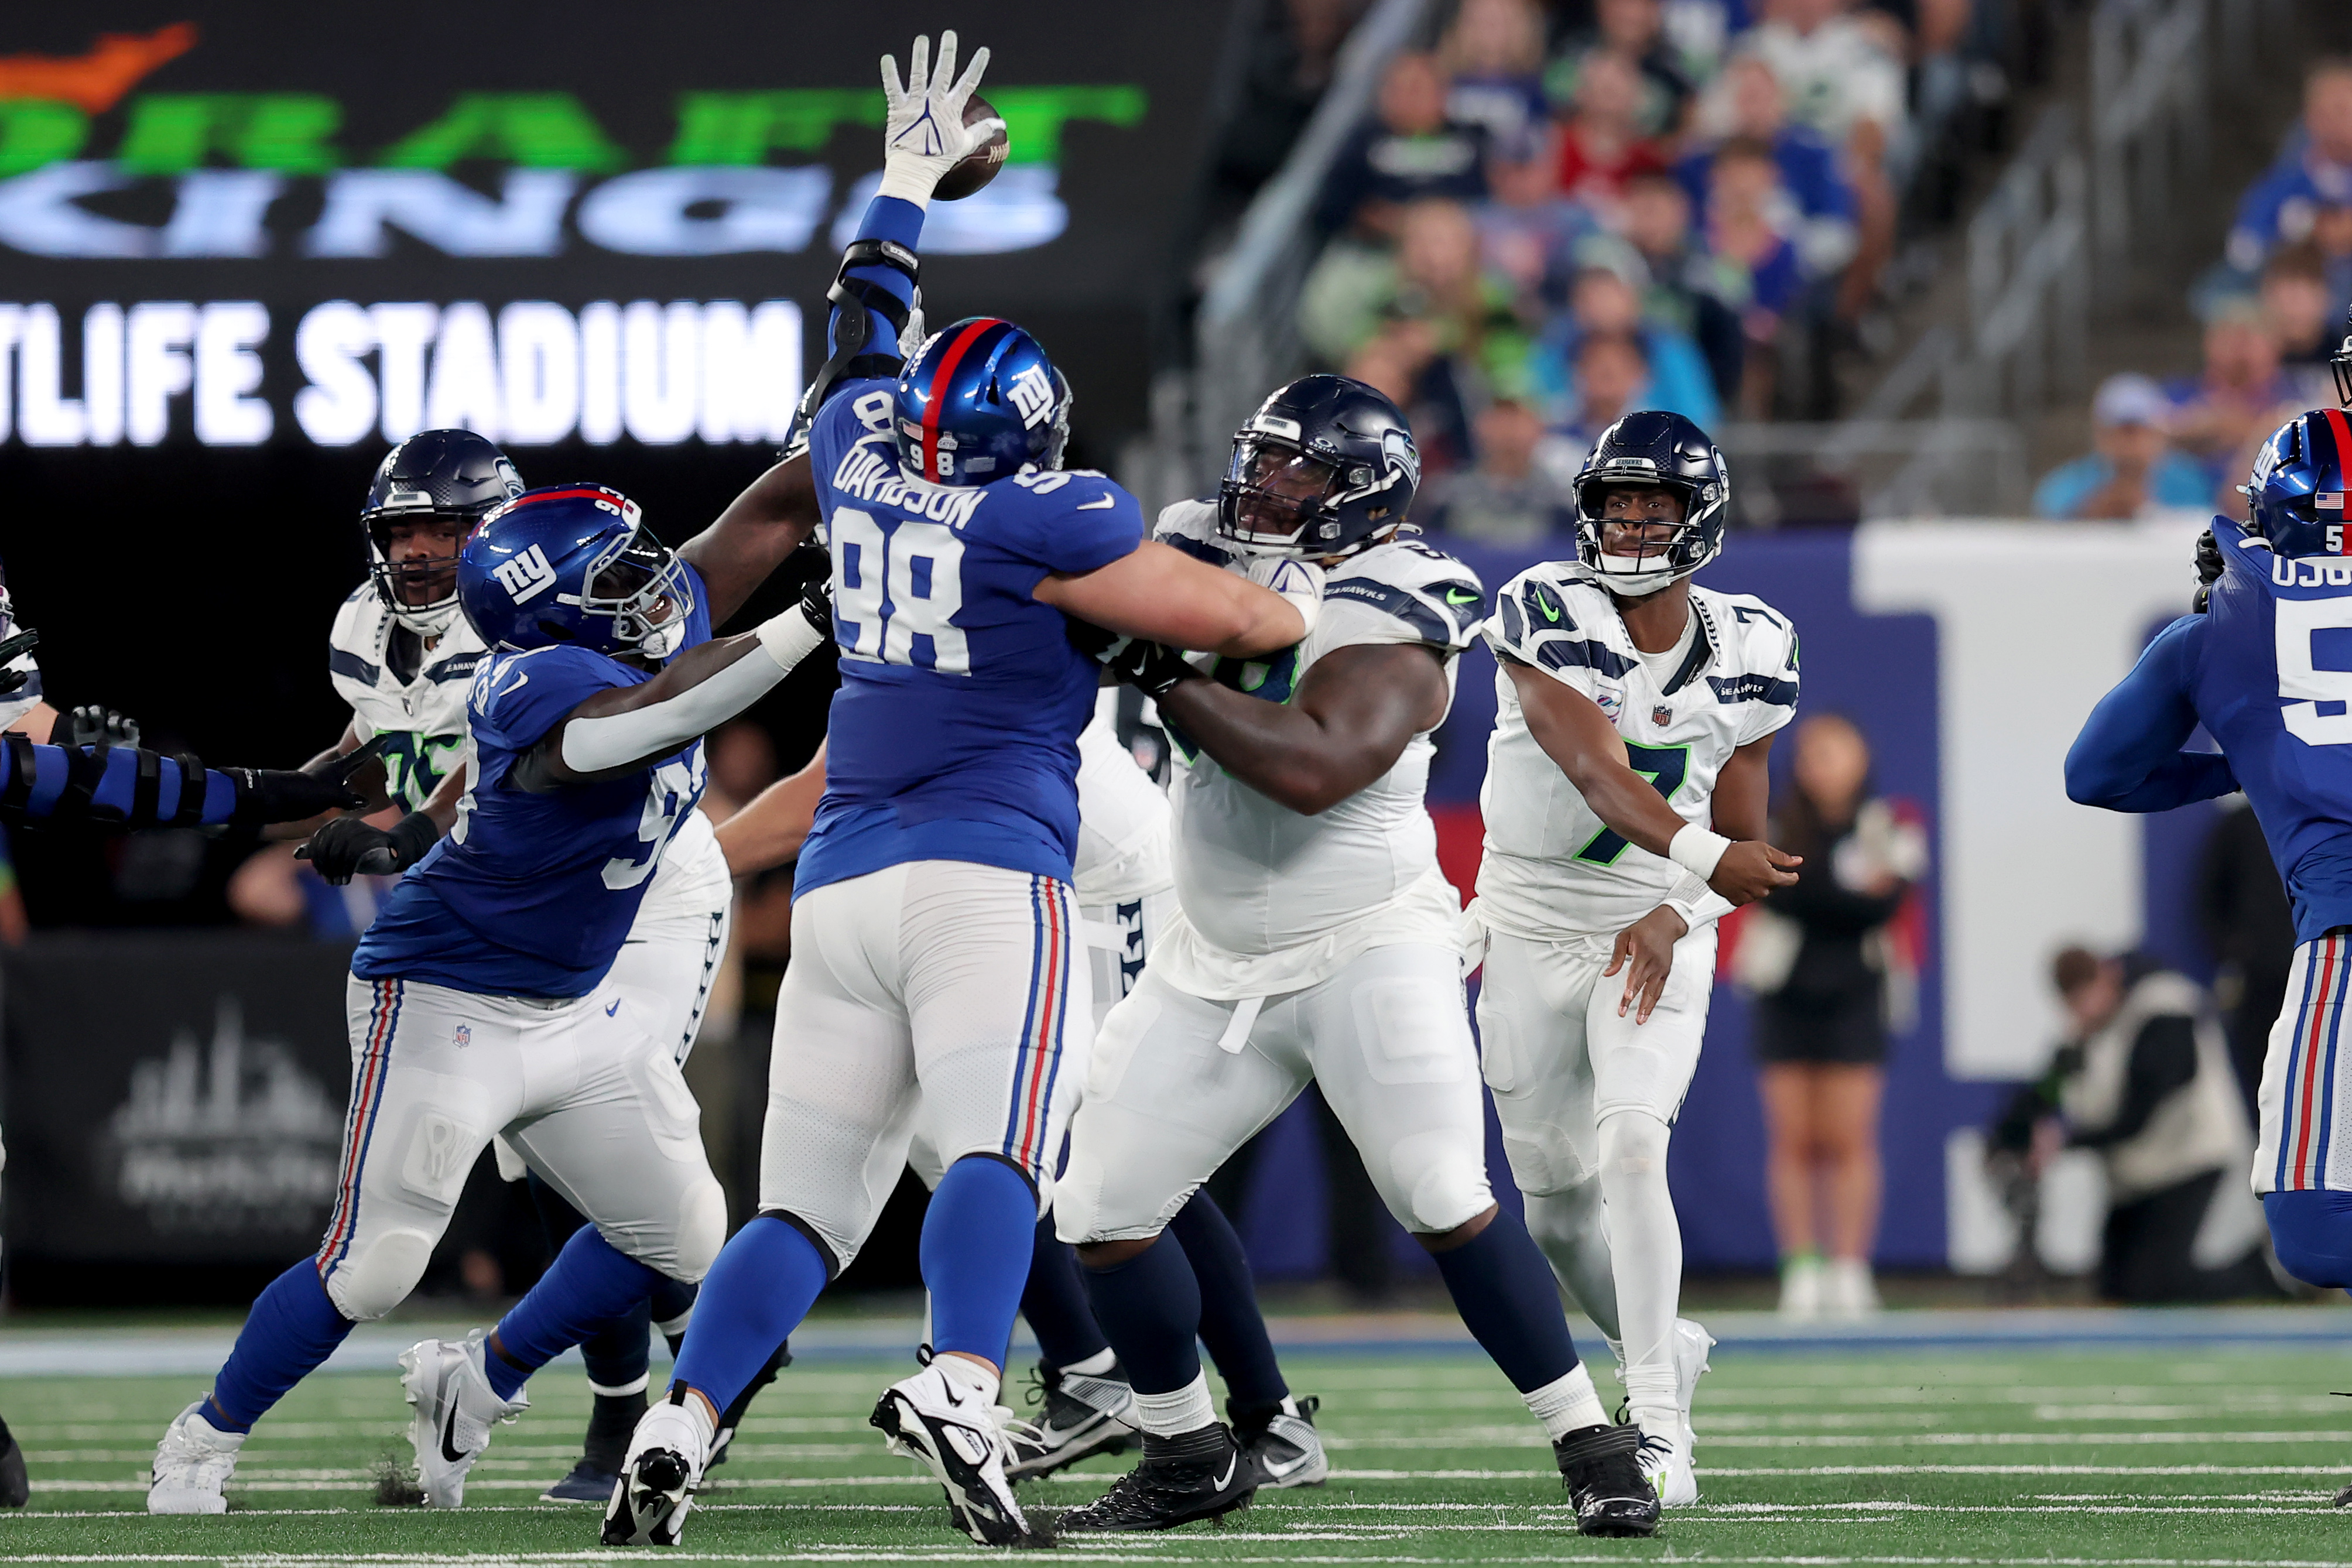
(1552,868)
(1122,820)
(425,716)
(1272,900)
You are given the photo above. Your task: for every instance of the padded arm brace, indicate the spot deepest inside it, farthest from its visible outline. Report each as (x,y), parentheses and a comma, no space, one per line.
(593,745)
(856,302)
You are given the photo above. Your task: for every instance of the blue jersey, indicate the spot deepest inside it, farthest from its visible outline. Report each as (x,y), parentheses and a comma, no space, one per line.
(2267,670)
(954,734)
(531,895)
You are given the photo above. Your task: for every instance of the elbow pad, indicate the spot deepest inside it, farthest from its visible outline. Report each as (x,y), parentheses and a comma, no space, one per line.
(610,741)
(858,302)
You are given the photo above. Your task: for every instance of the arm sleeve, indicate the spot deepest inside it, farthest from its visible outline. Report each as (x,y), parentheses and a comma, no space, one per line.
(2163,1058)
(2129,756)
(112,787)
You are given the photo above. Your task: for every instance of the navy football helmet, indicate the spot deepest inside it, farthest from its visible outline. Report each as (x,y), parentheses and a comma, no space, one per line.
(573,563)
(980,401)
(1654,447)
(1324,466)
(451,474)
(2295,499)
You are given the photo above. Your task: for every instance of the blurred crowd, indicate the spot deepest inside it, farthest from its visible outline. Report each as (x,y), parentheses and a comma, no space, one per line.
(2273,310)
(1564,211)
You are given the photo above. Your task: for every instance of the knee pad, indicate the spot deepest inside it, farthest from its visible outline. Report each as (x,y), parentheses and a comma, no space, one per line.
(1634,1143)
(702,1232)
(1442,1183)
(379,1273)
(1545,1159)
(1078,1199)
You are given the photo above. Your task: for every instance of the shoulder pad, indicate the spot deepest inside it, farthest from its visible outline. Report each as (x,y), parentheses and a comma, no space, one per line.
(1436,597)
(1758,663)
(1548,619)
(1191,526)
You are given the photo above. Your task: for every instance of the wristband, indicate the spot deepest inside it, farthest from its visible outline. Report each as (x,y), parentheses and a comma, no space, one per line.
(1698,850)
(909,184)
(412,837)
(1697,903)
(789,638)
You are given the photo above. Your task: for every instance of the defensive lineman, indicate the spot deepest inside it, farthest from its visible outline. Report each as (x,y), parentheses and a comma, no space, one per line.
(1315,939)
(480,1001)
(934,967)
(2253,667)
(1633,708)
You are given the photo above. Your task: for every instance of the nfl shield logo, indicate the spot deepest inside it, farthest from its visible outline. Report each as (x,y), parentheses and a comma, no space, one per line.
(463,1037)
(1661,715)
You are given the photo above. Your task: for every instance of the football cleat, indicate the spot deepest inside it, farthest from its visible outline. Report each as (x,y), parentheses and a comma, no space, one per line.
(15,1488)
(1691,1345)
(1083,1413)
(954,1433)
(193,1463)
(588,1482)
(1192,1476)
(1287,1450)
(1601,1467)
(455,1412)
(663,1466)
(1666,1465)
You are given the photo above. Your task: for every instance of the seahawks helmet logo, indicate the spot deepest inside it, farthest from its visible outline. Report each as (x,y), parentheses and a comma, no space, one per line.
(1399,452)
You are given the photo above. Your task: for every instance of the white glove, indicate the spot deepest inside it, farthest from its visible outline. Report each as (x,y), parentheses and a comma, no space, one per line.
(1300,582)
(924,134)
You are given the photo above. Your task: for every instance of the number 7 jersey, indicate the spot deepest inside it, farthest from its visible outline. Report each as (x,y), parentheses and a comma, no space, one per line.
(1552,867)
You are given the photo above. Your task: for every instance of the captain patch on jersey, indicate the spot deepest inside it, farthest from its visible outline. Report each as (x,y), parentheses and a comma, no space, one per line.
(1681,713)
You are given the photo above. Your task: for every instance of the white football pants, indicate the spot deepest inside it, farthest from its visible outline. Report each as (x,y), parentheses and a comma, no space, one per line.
(938,994)
(1176,1087)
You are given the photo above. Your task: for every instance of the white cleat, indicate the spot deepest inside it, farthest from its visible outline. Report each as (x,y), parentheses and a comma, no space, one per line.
(667,1454)
(193,1463)
(1666,1466)
(1849,1291)
(955,1434)
(1691,1345)
(1288,1451)
(455,1412)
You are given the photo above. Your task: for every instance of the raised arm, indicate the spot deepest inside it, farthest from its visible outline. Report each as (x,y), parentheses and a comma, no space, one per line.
(751,538)
(1575,733)
(2129,756)
(772,828)
(1164,595)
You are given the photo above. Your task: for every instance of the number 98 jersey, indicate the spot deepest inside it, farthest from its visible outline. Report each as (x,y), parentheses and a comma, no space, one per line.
(1552,868)
(531,895)
(954,733)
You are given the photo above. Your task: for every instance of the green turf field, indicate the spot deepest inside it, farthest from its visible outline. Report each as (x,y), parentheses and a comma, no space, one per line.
(2068,1457)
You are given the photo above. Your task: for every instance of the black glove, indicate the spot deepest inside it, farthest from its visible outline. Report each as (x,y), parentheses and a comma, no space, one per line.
(96,726)
(816,602)
(272,795)
(1150,668)
(350,845)
(23,642)
(2209,567)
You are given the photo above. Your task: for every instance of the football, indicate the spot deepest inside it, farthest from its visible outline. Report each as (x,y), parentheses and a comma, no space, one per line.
(979,165)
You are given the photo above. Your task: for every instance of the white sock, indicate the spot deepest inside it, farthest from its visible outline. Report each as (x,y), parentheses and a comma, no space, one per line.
(969,1375)
(620,1391)
(676,1325)
(1170,1415)
(1567,1404)
(1095,1365)
(1652,1391)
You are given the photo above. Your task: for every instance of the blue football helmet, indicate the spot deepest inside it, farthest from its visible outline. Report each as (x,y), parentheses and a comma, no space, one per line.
(1654,447)
(573,563)
(1325,466)
(979,402)
(447,473)
(2295,499)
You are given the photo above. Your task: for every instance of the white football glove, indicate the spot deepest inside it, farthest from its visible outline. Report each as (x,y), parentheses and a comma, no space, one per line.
(924,134)
(1300,582)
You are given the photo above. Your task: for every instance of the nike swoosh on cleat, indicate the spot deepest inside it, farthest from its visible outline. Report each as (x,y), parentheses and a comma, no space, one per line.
(1232,1463)
(449,1432)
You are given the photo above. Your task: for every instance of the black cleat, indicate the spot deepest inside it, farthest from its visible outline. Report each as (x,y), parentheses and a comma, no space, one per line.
(1194,1476)
(1083,1414)
(2343,1499)
(586,1483)
(15,1490)
(1601,1467)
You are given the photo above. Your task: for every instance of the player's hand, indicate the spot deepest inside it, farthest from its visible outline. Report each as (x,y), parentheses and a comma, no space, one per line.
(2209,567)
(11,649)
(1150,668)
(923,132)
(1751,868)
(1300,584)
(351,845)
(95,726)
(273,794)
(816,604)
(1645,950)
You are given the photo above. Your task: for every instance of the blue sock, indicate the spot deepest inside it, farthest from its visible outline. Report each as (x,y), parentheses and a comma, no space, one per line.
(767,1277)
(975,1255)
(292,1328)
(1149,1306)
(2312,1231)
(591,1283)
(618,1351)
(1510,1303)
(1054,1302)
(1231,1325)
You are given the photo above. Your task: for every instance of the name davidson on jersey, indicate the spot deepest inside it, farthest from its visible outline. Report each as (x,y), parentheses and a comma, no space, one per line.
(870,471)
